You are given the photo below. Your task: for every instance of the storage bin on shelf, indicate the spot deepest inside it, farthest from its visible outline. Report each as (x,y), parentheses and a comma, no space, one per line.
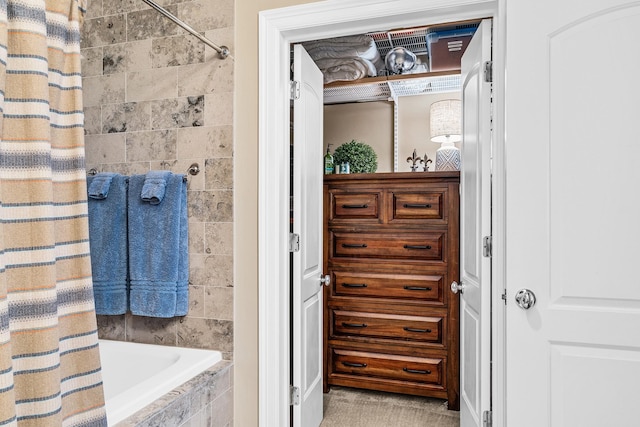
(446,45)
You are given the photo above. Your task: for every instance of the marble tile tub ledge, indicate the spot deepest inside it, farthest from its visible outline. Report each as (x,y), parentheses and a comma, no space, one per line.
(204,401)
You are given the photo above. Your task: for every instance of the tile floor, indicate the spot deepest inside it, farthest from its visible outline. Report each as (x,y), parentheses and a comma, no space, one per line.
(349,407)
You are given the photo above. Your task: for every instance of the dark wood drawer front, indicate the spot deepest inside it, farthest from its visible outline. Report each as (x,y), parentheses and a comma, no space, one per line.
(356,205)
(416,369)
(418,205)
(417,246)
(400,286)
(414,328)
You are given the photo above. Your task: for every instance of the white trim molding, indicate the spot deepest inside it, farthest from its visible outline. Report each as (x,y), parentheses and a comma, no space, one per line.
(278,28)
(499,221)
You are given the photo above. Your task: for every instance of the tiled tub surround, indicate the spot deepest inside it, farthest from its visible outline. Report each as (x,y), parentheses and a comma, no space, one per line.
(157,98)
(204,401)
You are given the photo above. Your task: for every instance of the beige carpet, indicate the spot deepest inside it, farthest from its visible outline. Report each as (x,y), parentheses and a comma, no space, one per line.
(348,407)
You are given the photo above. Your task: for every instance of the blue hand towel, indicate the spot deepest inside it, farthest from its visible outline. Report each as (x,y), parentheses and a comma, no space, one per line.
(154,187)
(158,245)
(99,185)
(108,243)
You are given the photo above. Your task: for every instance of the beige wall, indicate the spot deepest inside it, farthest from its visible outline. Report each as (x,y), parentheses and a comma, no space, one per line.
(372,122)
(414,130)
(246,208)
(368,122)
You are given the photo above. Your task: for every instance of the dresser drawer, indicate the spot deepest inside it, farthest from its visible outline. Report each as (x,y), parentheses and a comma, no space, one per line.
(390,366)
(355,205)
(421,287)
(377,325)
(416,246)
(423,205)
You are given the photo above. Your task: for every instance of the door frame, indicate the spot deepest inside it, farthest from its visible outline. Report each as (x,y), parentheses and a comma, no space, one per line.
(278,28)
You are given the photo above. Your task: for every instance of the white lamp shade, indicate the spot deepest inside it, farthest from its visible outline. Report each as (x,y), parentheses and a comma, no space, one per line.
(445,121)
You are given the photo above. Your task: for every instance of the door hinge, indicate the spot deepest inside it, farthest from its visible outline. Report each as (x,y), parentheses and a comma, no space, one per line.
(487,246)
(487,419)
(294,89)
(294,242)
(488,71)
(294,396)
(504,296)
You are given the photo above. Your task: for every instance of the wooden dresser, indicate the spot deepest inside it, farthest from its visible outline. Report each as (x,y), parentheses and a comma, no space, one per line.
(391,249)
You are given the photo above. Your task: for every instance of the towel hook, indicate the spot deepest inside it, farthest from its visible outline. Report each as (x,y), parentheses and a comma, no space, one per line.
(92,171)
(194,169)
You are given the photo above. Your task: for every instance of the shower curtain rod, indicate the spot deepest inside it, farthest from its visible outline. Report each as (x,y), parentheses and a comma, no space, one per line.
(223,51)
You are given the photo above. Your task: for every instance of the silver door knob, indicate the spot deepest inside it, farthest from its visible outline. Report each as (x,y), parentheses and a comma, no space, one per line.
(525,299)
(457,287)
(325,280)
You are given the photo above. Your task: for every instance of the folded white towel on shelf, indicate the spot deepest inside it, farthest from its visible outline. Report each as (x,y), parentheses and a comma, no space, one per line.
(347,69)
(361,46)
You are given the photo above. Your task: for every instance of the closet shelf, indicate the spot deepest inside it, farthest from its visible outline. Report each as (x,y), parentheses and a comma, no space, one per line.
(389,88)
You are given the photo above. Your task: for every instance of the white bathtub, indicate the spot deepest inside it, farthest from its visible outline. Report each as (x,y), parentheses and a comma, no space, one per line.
(135,375)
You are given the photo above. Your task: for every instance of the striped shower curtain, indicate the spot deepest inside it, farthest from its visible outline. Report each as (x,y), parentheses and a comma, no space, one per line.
(49,362)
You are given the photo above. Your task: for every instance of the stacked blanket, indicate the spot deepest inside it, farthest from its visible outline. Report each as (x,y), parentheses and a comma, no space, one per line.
(346,58)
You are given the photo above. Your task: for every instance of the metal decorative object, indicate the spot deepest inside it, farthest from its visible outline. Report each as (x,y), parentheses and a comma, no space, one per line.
(415,161)
(426,162)
(399,60)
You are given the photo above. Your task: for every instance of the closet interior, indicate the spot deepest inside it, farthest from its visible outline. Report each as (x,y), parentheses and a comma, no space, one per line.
(391,237)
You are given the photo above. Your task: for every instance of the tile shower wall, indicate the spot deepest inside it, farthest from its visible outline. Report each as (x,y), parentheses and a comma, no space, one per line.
(157,98)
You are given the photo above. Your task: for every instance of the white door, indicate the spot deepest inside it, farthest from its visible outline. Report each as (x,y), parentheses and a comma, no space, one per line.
(307,223)
(573,144)
(475,223)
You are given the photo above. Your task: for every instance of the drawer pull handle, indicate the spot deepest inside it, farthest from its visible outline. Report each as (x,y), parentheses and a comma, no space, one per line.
(354,285)
(418,205)
(418,288)
(354,325)
(354,245)
(364,206)
(355,365)
(408,329)
(417,371)
(417,247)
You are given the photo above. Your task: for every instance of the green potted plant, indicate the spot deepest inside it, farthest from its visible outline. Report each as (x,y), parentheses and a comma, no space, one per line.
(361,157)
